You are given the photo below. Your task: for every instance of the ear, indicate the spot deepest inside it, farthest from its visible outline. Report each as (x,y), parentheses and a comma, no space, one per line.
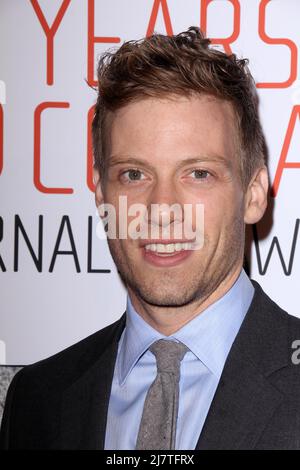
(256,196)
(98,189)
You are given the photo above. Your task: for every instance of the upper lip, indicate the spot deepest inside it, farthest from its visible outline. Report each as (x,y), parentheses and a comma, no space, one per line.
(163,242)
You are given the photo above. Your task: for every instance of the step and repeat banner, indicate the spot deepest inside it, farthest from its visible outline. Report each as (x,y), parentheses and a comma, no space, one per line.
(58,282)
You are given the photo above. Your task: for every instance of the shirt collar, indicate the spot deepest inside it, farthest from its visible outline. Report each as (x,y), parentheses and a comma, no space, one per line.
(209,336)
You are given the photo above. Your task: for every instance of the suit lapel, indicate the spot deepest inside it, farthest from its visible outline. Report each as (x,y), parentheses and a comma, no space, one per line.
(85,401)
(245,398)
(243,404)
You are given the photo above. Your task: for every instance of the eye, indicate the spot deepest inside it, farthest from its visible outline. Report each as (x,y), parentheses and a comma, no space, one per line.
(132,174)
(200,174)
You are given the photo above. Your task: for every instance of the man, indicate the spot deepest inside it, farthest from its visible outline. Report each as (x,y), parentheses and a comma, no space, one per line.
(201,359)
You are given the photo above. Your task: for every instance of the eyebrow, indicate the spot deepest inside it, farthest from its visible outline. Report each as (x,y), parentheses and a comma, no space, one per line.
(114,160)
(206,158)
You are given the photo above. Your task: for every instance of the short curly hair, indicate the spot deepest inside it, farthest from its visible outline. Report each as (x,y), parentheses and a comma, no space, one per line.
(182,64)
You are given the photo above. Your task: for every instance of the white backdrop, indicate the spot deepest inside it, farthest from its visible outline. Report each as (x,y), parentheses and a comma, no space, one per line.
(51,292)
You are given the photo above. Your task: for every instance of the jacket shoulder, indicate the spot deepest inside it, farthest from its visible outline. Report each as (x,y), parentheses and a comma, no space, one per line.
(31,417)
(64,366)
(262,301)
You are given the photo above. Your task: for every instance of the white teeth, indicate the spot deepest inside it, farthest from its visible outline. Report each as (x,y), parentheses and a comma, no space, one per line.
(169,247)
(151,247)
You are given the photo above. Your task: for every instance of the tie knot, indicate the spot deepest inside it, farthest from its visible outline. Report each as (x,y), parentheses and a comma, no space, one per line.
(168,355)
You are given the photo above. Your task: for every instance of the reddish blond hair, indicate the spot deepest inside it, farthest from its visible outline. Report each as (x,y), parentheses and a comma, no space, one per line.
(182,64)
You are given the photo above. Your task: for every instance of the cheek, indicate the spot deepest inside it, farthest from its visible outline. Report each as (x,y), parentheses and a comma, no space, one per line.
(214,210)
(222,214)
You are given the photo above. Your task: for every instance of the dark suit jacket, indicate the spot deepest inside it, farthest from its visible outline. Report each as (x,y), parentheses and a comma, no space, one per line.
(61,402)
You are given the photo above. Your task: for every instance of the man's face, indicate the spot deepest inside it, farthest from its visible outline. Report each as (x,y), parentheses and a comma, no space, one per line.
(177,151)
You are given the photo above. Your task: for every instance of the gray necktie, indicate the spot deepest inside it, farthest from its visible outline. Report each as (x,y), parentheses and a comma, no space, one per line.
(158,424)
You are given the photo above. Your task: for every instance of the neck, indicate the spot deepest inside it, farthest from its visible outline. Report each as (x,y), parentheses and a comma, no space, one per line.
(158,317)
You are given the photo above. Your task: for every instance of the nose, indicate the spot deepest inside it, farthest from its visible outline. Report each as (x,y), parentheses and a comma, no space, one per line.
(164,207)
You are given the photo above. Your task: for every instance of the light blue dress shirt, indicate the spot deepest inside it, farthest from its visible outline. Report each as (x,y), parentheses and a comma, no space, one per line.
(209,338)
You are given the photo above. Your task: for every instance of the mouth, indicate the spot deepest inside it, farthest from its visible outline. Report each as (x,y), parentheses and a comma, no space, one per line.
(166,254)
(168,249)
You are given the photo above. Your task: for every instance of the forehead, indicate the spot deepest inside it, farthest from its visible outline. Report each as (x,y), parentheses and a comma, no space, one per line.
(172,127)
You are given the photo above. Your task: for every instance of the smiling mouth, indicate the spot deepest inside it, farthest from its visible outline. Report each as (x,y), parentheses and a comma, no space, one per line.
(168,249)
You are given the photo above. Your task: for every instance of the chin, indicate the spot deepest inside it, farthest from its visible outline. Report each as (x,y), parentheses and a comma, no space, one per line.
(170,298)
